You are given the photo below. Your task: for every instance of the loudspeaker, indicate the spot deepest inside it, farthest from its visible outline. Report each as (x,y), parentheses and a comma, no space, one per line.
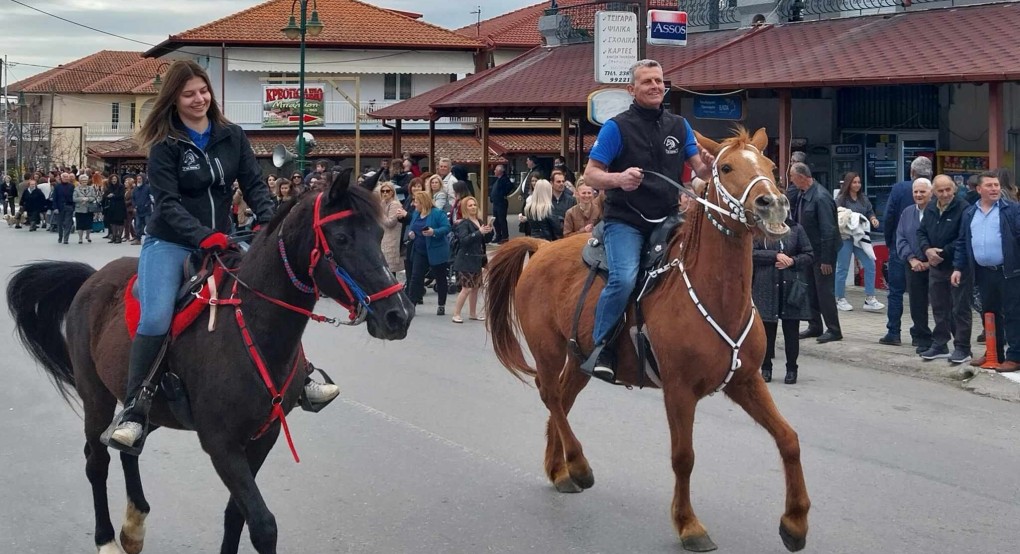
(281,156)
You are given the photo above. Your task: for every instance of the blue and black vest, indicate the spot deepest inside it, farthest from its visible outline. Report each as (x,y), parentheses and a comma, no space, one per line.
(652,139)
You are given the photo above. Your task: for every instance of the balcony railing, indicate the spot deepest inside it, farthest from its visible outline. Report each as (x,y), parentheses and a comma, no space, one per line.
(337,113)
(95,130)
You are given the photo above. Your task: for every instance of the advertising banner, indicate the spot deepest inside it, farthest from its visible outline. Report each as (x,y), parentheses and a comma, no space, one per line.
(280,106)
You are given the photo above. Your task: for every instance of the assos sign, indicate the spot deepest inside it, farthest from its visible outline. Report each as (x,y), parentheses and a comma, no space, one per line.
(667,28)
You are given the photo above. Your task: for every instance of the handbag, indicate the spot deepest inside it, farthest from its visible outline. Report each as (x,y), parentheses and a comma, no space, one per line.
(796,304)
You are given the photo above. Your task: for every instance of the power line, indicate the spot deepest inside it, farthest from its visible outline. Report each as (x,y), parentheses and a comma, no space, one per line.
(72,22)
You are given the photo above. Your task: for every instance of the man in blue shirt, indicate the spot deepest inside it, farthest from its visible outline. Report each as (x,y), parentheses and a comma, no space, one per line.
(900,198)
(646,136)
(989,244)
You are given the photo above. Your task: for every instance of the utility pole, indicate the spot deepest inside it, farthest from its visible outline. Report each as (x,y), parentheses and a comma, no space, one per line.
(7,123)
(478,23)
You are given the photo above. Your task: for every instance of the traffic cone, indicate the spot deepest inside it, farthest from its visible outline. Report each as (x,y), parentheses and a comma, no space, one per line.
(992,360)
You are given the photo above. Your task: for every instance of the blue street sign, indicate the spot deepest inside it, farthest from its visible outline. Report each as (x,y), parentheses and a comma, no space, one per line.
(667,28)
(719,107)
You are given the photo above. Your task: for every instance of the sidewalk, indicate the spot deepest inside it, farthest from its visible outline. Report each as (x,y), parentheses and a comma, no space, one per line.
(861,331)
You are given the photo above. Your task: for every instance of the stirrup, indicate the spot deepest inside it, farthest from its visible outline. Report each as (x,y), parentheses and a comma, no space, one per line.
(308,405)
(588,367)
(133,450)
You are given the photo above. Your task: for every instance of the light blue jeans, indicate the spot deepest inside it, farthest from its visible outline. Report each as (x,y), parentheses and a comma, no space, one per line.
(160,276)
(843,268)
(623,251)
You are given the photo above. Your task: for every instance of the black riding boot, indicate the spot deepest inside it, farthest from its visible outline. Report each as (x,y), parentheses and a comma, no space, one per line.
(127,432)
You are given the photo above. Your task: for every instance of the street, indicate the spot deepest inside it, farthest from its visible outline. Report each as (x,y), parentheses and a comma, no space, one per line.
(435,448)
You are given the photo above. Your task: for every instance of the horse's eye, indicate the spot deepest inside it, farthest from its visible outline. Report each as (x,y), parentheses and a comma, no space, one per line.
(726,168)
(342,240)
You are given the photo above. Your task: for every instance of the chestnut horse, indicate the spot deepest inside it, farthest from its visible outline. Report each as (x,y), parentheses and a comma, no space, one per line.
(713,251)
(331,239)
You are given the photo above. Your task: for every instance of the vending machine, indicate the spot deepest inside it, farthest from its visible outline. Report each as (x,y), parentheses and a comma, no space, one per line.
(846,158)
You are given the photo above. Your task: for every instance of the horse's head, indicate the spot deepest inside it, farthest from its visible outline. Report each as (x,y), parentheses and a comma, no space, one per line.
(742,182)
(342,233)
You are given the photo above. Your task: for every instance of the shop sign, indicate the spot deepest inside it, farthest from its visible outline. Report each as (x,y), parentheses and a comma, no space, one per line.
(616,46)
(281,106)
(667,28)
(719,107)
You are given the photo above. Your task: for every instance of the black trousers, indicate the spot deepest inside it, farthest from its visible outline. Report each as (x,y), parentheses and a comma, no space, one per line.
(791,341)
(821,293)
(502,231)
(951,306)
(419,265)
(1002,298)
(917,290)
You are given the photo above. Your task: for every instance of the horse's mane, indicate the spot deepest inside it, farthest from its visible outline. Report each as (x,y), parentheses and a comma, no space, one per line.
(363,202)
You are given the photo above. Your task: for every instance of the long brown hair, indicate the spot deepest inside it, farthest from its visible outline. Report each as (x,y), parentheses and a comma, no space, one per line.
(159,125)
(844,191)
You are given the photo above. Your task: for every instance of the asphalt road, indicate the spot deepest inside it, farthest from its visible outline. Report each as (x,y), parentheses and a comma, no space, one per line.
(434,448)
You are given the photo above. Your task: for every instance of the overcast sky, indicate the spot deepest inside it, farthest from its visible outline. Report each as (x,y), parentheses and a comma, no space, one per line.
(31,39)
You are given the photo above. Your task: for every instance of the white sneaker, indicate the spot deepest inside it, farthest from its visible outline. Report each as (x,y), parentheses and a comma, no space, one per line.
(871,304)
(843,305)
(320,393)
(127,433)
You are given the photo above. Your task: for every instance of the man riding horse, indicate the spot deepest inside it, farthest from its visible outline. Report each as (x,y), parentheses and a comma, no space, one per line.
(194,156)
(646,136)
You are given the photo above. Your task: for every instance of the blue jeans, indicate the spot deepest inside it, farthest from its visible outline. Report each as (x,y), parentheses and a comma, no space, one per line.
(894,304)
(623,251)
(843,267)
(140,222)
(160,276)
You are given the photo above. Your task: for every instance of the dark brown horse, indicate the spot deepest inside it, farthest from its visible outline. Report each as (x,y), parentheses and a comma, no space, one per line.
(713,251)
(229,400)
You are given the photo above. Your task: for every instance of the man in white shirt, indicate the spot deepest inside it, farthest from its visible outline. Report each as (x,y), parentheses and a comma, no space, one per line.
(443,170)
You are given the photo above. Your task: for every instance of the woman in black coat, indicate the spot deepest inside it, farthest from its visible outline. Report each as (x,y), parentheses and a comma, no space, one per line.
(470,257)
(116,209)
(779,291)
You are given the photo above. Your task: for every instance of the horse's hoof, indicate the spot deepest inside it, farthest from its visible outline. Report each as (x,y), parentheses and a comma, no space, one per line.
(567,485)
(110,548)
(792,543)
(702,543)
(585,481)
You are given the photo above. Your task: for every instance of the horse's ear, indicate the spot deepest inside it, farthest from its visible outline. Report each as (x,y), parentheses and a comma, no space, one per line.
(712,146)
(760,140)
(341,183)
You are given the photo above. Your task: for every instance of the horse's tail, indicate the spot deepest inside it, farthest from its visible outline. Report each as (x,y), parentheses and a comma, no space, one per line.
(504,271)
(38,297)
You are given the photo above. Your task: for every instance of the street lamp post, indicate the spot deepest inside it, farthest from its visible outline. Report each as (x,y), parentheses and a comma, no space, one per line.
(22,105)
(295,31)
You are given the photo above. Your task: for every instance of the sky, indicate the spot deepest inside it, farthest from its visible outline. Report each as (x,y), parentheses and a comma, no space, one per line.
(34,42)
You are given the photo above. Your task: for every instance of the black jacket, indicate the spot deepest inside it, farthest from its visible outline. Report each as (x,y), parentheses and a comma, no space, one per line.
(548,228)
(191,188)
(769,285)
(470,256)
(1009,228)
(33,201)
(941,230)
(500,190)
(815,210)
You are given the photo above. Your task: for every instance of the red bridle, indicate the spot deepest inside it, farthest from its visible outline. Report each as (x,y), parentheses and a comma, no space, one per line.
(357,301)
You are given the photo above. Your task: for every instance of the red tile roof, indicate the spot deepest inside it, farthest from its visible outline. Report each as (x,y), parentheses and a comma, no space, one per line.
(563,76)
(910,47)
(534,143)
(348,24)
(519,28)
(105,72)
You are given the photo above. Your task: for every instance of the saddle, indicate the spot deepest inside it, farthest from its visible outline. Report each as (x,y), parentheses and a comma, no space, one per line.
(594,256)
(200,275)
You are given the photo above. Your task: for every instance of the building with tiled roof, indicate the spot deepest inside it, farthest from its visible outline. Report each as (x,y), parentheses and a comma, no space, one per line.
(98,97)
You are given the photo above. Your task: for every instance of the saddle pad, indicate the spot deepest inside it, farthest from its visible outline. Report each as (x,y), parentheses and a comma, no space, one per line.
(183,316)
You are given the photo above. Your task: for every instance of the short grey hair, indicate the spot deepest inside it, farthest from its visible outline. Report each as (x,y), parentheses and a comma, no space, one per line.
(641,64)
(446,161)
(798,156)
(801,168)
(921,167)
(922,181)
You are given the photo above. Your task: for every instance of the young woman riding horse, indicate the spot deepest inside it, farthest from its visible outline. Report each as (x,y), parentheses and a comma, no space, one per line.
(195,155)
(695,317)
(239,374)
